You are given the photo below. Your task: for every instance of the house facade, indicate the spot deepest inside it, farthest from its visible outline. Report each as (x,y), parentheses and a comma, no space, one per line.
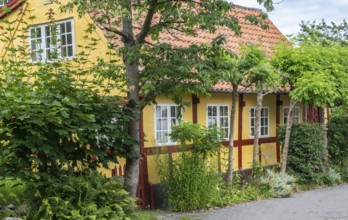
(157,120)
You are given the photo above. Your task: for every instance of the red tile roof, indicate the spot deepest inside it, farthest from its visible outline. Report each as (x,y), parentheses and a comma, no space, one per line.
(13,4)
(251,34)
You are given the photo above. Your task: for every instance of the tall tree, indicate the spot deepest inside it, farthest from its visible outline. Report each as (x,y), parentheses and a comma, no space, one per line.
(139,24)
(317,75)
(261,76)
(326,35)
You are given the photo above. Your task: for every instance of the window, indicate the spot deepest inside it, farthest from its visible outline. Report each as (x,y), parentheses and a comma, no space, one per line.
(217,115)
(295,115)
(264,121)
(166,116)
(3,2)
(52,41)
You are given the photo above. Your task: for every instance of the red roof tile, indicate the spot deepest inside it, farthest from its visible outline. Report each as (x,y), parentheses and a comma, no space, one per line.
(13,4)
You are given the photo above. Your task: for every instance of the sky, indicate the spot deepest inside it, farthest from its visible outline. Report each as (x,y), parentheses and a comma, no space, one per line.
(288,14)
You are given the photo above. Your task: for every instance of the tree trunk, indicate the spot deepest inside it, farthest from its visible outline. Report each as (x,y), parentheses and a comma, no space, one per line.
(287,135)
(231,137)
(130,58)
(257,127)
(132,161)
(324,132)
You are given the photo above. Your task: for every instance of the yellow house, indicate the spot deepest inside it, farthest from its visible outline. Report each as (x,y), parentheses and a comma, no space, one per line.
(157,120)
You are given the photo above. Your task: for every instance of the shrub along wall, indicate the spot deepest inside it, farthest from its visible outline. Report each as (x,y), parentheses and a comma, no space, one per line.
(305,152)
(338,143)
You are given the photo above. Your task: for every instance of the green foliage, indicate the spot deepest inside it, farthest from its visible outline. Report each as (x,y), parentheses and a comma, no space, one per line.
(205,141)
(338,139)
(85,196)
(190,182)
(326,34)
(11,191)
(280,184)
(331,177)
(305,152)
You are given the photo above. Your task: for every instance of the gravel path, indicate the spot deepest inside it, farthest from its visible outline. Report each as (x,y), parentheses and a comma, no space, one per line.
(327,203)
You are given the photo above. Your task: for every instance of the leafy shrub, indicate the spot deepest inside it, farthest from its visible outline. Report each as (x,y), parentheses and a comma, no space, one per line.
(305,152)
(11,191)
(189,182)
(280,184)
(338,142)
(331,177)
(88,196)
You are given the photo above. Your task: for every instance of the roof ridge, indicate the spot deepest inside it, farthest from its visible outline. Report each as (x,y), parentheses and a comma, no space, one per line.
(246,7)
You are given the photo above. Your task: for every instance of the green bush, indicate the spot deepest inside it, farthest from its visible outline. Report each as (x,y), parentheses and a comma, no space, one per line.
(87,196)
(331,177)
(11,191)
(338,140)
(280,184)
(305,152)
(189,182)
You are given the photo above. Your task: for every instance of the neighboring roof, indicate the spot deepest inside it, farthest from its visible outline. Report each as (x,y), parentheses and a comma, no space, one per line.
(13,4)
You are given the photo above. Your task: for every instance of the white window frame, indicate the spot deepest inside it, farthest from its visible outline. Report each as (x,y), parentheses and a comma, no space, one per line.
(296,118)
(218,118)
(42,48)
(261,126)
(4,2)
(169,126)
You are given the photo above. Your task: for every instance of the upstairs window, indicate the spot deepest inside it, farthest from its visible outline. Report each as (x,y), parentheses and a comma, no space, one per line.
(218,115)
(52,41)
(296,116)
(3,2)
(166,116)
(264,121)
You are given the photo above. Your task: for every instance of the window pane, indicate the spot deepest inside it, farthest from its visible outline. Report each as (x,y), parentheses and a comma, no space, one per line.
(69,38)
(63,52)
(158,124)
(63,39)
(173,122)
(252,112)
(70,51)
(164,124)
(68,26)
(164,111)
(173,111)
(158,111)
(62,28)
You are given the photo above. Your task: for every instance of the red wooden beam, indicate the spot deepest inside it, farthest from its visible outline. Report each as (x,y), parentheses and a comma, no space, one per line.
(195,102)
(278,103)
(241,105)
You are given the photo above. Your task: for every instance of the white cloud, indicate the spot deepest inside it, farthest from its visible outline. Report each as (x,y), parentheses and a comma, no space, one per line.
(288,14)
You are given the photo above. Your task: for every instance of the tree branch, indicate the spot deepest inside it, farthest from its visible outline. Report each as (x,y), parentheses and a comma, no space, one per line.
(118,32)
(147,23)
